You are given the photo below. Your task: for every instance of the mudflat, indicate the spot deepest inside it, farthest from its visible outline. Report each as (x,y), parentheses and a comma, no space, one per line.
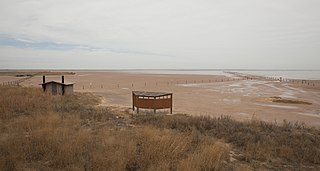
(213,95)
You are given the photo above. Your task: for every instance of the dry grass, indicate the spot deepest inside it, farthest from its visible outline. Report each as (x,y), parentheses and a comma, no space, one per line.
(293,144)
(205,157)
(43,132)
(15,102)
(288,101)
(28,73)
(291,101)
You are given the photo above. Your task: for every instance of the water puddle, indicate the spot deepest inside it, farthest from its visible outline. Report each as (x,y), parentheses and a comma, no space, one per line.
(276,106)
(309,114)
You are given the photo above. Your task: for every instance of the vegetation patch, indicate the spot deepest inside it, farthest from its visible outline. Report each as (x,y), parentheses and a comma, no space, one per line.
(283,100)
(44,132)
(33,73)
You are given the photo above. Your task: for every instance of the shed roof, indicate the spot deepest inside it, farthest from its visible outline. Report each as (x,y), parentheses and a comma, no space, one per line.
(150,94)
(57,83)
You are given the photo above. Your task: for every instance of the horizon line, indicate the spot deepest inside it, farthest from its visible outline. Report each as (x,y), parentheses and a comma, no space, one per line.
(150,69)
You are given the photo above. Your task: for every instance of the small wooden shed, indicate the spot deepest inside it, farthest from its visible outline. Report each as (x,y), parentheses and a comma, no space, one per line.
(151,100)
(57,88)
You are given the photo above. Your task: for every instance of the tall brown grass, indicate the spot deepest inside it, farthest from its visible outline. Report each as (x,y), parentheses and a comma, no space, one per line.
(274,143)
(44,132)
(16,101)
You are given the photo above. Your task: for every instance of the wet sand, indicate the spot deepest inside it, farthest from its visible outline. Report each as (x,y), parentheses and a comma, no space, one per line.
(203,94)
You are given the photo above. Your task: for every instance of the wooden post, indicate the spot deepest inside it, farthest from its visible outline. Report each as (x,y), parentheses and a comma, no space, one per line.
(154,105)
(133,101)
(171,103)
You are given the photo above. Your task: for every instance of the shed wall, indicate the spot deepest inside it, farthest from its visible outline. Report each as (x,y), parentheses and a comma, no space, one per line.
(53,88)
(68,89)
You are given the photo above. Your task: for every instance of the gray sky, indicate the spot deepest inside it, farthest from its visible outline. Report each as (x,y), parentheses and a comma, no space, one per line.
(113,34)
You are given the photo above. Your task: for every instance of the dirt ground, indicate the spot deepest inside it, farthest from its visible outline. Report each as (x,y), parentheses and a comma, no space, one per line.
(202,94)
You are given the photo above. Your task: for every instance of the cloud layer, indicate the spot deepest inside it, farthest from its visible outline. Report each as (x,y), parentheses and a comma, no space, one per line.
(160,34)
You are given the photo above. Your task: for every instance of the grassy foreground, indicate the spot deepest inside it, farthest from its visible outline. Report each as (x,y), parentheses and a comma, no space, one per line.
(43,132)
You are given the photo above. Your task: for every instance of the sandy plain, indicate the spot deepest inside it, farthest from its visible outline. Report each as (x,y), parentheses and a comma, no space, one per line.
(212,95)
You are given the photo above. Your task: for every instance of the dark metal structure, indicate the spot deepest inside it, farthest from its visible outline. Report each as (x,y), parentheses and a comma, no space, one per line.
(151,100)
(57,88)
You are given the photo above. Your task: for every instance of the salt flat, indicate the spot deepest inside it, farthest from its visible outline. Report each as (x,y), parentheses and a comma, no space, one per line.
(213,95)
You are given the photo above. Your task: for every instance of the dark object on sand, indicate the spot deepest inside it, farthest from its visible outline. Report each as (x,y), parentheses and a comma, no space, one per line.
(151,100)
(57,88)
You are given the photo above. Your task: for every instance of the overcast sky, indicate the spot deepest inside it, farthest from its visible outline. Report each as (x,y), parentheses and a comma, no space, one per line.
(123,34)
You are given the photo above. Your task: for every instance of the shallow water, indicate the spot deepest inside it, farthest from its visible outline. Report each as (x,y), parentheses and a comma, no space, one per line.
(287,74)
